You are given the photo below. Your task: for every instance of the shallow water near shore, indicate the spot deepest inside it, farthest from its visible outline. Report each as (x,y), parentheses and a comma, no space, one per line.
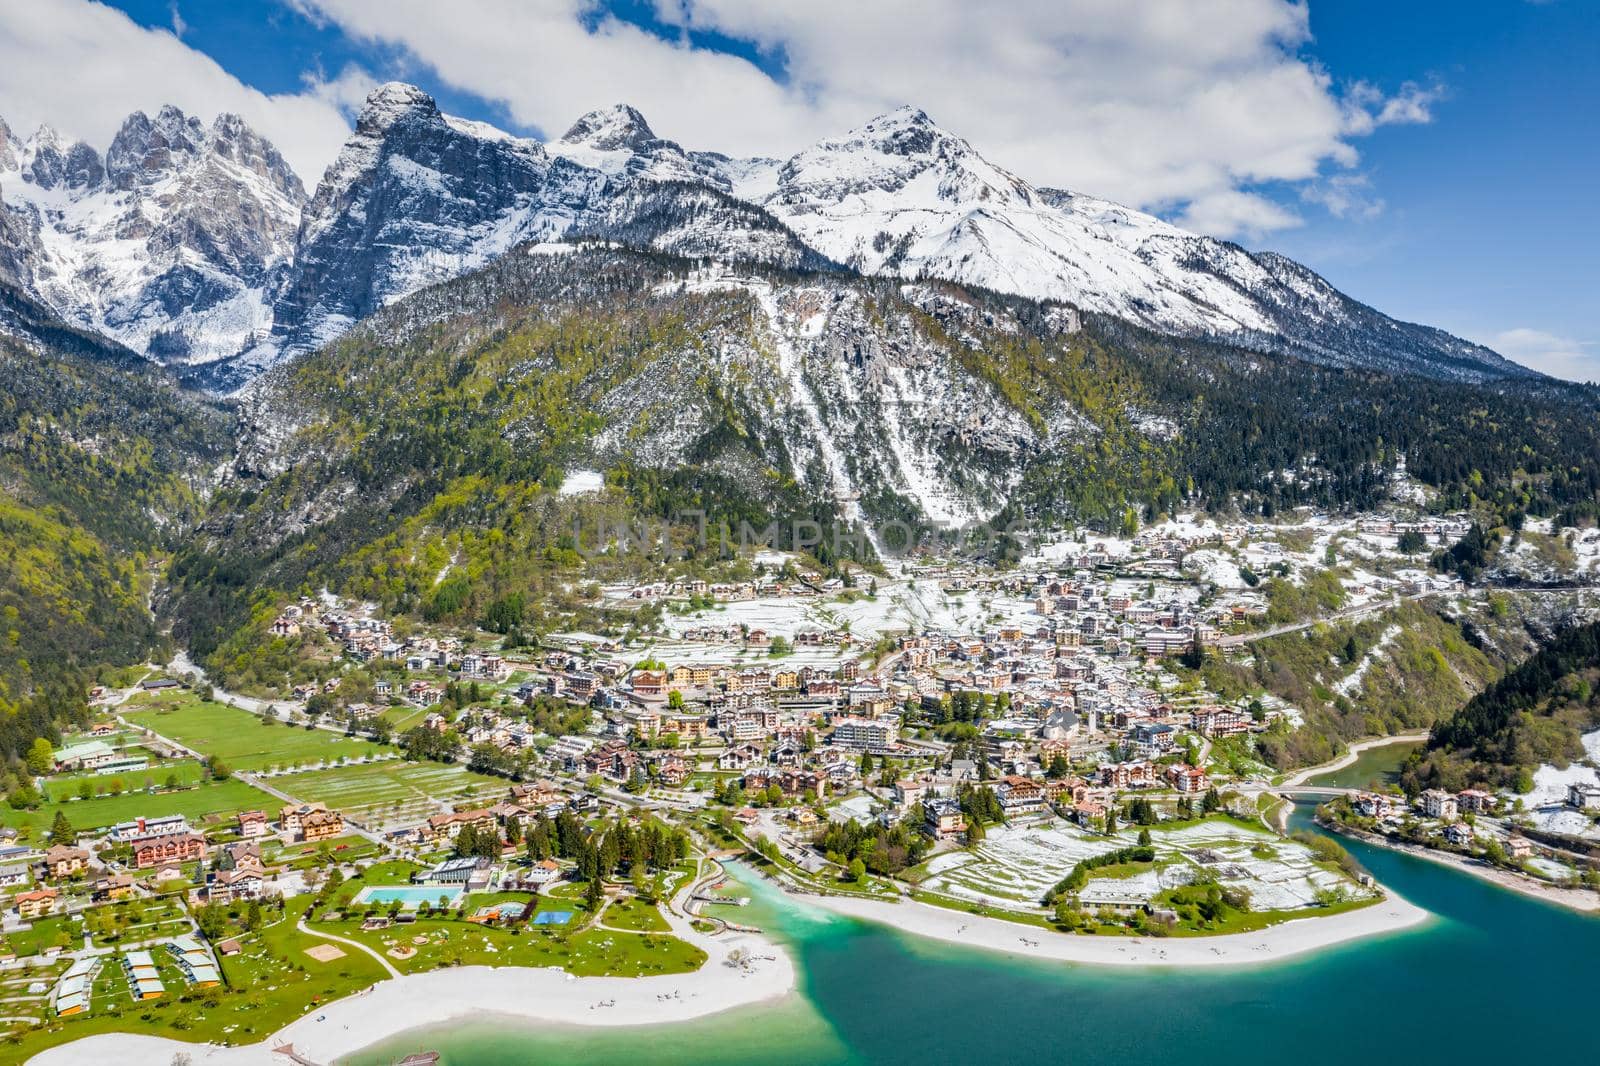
(1373,768)
(1494,977)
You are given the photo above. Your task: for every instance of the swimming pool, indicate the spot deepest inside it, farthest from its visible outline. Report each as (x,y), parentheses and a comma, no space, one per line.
(410,896)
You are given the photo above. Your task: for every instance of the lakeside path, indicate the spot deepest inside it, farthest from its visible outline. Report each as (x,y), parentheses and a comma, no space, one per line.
(1260,948)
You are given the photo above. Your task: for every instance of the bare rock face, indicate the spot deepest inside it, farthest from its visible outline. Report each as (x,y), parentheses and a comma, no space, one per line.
(412,199)
(173,245)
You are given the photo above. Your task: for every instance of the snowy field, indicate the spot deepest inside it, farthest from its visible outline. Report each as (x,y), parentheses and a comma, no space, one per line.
(1548,800)
(899,606)
(1016,866)
(1550,784)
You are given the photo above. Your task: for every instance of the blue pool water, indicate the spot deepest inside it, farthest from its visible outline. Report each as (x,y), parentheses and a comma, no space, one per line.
(409,896)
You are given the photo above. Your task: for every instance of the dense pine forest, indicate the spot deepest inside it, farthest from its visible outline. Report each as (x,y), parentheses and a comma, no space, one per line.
(1535,714)
(102,462)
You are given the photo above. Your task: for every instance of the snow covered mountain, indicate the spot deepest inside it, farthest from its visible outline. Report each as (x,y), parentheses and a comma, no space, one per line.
(173,244)
(197,245)
(902,196)
(415,198)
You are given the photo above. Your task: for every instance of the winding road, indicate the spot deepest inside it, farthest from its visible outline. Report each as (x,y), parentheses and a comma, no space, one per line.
(385,963)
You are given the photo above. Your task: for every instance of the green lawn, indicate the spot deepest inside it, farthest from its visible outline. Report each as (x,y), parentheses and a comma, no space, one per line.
(56,931)
(1253,921)
(223,798)
(271,983)
(603,953)
(136,920)
(590,952)
(405,716)
(186,771)
(241,739)
(391,792)
(344,849)
(629,912)
(450,941)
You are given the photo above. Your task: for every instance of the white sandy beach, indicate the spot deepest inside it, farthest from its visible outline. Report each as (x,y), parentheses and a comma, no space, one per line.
(1269,945)
(527,995)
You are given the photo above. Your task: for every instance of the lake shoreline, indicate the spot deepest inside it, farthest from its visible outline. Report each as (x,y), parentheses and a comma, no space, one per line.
(1286,940)
(1352,753)
(1574,899)
(474,995)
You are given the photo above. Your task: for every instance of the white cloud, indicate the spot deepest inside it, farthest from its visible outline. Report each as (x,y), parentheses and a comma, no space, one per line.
(1549,353)
(1163,104)
(1159,103)
(1346,195)
(1230,212)
(1367,107)
(83,67)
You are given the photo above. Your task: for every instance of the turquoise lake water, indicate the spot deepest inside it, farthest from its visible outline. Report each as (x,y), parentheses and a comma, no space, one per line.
(1495,977)
(1373,768)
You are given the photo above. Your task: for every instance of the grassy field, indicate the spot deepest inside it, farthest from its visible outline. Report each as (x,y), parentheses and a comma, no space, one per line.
(242,740)
(590,952)
(222,799)
(271,983)
(347,848)
(405,716)
(185,771)
(136,920)
(56,931)
(578,947)
(633,914)
(21,1003)
(391,792)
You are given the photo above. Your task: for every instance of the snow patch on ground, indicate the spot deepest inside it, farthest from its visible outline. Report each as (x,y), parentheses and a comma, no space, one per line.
(1352,682)
(580,481)
(1550,784)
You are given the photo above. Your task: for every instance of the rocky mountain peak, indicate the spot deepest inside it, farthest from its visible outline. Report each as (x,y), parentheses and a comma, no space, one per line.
(906,130)
(886,155)
(8,150)
(618,141)
(233,139)
(392,102)
(415,197)
(237,267)
(610,129)
(52,163)
(145,150)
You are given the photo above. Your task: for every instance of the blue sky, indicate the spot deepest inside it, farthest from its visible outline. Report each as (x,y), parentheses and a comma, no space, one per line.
(1434,159)
(1491,221)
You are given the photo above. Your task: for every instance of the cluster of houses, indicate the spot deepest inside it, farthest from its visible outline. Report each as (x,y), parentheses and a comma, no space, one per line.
(160,849)
(1442,529)
(188,955)
(364,638)
(1085,801)
(1445,809)
(1070,683)
(807,583)
(523,803)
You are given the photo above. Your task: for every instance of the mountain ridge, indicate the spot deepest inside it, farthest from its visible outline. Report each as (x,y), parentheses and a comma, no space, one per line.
(417,196)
